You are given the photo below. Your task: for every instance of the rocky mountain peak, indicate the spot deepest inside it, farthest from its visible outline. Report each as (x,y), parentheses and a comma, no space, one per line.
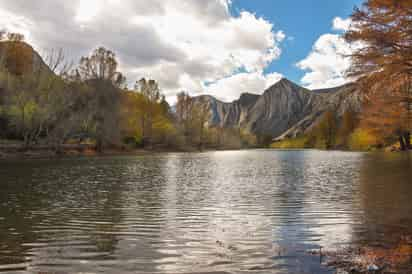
(282,107)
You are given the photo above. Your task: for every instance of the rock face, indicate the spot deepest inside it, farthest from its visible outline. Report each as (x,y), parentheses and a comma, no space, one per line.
(283,110)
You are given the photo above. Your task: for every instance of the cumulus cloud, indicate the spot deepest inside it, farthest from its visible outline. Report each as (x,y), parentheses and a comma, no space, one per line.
(240,83)
(183,44)
(342,24)
(327,63)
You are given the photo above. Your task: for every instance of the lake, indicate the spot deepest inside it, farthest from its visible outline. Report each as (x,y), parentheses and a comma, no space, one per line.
(256,211)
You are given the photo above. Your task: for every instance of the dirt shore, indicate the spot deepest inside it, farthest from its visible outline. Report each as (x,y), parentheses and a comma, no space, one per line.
(370,259)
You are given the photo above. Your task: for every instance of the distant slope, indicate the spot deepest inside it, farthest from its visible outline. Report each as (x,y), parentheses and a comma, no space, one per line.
(283,110)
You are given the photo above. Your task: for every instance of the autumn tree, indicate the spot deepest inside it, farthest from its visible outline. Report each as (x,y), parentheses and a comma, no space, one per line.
(326,131)
(132,117)
(99,71)
(383,63)
(150,91)
(202,113)
(31,89)
(184,112)
(348,125)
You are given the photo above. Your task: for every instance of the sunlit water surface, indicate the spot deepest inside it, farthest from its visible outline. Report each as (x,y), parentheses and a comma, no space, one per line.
(216,212)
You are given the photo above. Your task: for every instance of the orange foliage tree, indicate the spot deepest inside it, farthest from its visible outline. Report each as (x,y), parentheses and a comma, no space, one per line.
(384,65)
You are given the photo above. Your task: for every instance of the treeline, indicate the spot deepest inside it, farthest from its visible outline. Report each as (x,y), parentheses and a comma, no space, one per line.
(351,131)
(51,103)
(333,131)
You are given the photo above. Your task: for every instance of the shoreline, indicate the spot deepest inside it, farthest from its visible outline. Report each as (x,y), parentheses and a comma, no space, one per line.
(369,258)
(13,152)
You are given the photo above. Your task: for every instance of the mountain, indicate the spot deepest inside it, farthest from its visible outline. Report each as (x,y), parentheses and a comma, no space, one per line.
(283,110)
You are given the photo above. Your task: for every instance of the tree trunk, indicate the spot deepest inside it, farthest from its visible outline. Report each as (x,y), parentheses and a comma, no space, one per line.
(402,143)
(407,137)
(201,138)
(99,145)
(143,131)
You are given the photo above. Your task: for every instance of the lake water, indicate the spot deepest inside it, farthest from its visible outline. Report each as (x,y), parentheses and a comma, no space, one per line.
(216,212)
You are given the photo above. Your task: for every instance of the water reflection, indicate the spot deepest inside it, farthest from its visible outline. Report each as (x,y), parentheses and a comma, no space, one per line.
(245,211)
(384,193)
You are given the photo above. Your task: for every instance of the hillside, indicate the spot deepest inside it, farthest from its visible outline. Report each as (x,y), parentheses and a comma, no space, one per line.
(20,57)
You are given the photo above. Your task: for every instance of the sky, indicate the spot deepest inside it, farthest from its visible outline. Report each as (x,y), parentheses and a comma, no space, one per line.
(218,47)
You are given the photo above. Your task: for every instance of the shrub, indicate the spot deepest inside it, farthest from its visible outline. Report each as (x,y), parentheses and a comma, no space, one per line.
(296,143)
(362,139)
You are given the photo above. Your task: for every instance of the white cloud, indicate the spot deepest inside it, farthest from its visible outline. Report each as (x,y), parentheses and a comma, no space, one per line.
(340,24)
(240,83)
(14,23)
(327,63)
(280,36)
(181,43)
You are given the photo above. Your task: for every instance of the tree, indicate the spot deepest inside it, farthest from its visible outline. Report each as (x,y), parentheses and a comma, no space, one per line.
(132,116)
(385,116)
(326,131)
(99,71)
(202,111)
(384,63)
(184,112)
(149,106)
(32,89)
(348,125)
(101,66)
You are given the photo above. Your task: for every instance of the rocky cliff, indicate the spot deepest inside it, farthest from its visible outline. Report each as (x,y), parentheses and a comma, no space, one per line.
(283,110)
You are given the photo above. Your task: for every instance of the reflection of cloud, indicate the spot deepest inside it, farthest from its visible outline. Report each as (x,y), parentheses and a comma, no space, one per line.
(328,203)
(237,215)
(211,215)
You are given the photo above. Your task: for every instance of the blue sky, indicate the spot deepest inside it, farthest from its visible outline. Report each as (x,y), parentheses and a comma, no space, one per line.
(303,21)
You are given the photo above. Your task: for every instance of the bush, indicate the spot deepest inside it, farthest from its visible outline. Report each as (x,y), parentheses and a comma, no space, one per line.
(362,139)
(296,143)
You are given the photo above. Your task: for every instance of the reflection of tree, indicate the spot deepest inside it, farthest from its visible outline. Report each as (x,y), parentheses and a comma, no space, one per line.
(384,194)
(142,214)
(16,195)
(51,204)
(107,203)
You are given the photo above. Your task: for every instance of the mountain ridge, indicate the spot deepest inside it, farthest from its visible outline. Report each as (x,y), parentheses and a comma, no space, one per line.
(283,110)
